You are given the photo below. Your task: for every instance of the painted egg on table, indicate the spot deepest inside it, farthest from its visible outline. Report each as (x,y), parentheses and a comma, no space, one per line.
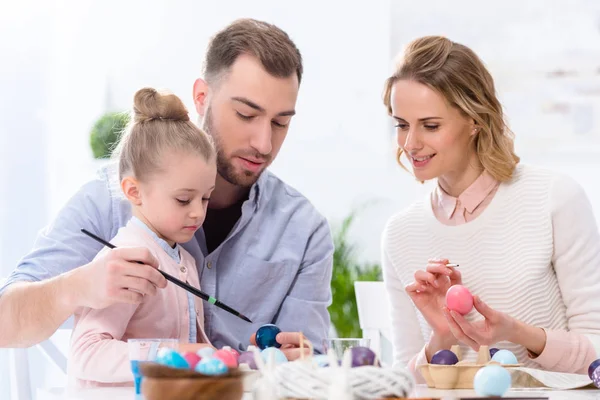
(444,357)
(493,351)
(247,357)
(596,377)
(206,352)
(362,356)
(505,357)
(459,299)
(593,366)
(266,336)
(227,357)
(171,358)
(191,358)
(491,380)
(211,366)
(274,352)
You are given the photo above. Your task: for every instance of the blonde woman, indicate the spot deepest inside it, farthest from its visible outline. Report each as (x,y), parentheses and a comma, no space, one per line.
(525,238)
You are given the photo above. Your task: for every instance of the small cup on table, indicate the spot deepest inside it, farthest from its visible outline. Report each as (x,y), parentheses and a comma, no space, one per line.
(143,350)
(340,345)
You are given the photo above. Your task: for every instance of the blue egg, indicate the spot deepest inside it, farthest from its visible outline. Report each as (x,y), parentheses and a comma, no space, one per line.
(321,360)
(505,357)
(280,358)
(593,366)
(266,336)
(492,380)
(171,358)
(211,366)
(205,352)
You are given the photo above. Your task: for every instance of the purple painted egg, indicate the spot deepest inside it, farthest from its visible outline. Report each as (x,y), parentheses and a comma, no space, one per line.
(247,357)
(362,356)
(596,377)
(593,366)
(444,357)
(493,351)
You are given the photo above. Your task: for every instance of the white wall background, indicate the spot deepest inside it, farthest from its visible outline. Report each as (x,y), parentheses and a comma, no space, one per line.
(64,63)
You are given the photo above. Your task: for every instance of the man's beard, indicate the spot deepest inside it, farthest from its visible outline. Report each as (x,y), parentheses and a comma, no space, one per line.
(224,166)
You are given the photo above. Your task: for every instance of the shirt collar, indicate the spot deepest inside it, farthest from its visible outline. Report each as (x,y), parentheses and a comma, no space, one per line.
(257,191)
(471,198)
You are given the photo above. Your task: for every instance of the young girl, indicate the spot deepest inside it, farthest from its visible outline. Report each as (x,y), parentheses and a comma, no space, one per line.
(525,238)
(167,170)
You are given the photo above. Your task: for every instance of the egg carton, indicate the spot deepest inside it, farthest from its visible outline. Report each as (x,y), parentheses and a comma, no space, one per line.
(461,374)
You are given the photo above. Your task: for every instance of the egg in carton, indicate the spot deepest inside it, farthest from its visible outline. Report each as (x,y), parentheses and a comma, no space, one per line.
(459,375)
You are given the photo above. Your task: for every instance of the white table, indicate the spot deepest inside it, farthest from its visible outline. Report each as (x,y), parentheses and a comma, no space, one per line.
(583,394)
(95,394)
(420,391)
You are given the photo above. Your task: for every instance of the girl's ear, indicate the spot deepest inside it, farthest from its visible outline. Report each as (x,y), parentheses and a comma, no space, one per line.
(131,189)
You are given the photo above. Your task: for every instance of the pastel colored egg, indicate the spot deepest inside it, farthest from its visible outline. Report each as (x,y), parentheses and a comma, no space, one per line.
(459,299)
(493,351)
(191,358)
(266,336)
(491,380)
(211,366)
(596,377)
(234,352)
(505,357)
(227,357)
(206,352)
(593,366)
(171,358)
(444,357)
(247,357)
(278,355)
(362,356)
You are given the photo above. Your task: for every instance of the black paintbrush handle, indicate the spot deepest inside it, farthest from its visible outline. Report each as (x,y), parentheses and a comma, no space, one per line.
(185,286)
(179,283)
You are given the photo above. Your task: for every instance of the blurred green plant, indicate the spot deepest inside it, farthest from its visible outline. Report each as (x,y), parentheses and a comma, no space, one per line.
(346,270)
(106,133)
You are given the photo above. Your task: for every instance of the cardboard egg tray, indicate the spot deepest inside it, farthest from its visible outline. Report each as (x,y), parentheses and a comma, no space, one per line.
(460,375)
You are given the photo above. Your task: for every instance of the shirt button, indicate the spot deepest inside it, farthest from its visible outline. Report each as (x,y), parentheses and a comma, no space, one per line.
(183,269)
(209,265)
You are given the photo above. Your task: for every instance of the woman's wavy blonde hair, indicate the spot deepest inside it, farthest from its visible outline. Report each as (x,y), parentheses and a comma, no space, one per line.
(457,73)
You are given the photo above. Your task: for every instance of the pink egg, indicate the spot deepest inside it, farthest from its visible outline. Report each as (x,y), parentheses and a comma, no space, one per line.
(227,357)
(192,358)
(235,353)
(459,299)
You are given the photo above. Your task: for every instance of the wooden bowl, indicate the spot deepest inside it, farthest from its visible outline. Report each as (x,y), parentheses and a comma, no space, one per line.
(160,382)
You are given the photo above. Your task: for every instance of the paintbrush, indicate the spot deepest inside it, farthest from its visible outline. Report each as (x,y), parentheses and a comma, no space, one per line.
(179,283)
